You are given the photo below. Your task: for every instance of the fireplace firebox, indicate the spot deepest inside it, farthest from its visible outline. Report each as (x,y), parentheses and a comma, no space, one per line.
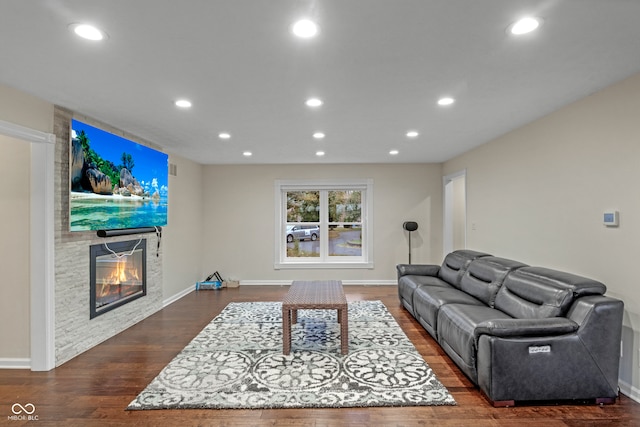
(118,274)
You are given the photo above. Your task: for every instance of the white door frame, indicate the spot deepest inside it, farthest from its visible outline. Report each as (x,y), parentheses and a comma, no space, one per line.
(42,243)
(448,209)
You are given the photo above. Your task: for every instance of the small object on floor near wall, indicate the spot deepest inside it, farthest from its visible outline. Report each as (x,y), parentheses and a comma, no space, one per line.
(230,283)
(210,284)
(215,284)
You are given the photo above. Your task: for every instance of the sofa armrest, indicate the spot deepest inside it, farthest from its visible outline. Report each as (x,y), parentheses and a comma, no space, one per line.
(526,327)
(417,270)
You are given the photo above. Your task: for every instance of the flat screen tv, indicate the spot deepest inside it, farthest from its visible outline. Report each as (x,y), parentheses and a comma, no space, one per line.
(115,183)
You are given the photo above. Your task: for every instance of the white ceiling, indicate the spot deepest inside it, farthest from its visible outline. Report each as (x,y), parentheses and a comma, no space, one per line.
(379,66)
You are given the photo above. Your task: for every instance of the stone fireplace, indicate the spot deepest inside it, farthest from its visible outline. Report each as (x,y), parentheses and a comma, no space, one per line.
(75,329)
(117,274)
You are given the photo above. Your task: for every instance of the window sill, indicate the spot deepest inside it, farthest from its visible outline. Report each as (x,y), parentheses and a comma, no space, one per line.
(321,265)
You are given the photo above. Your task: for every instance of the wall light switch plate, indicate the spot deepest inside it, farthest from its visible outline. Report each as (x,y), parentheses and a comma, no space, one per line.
(610,218)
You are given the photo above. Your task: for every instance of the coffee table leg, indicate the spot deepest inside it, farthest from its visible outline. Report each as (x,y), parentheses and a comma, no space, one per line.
(344,330)
(286,331)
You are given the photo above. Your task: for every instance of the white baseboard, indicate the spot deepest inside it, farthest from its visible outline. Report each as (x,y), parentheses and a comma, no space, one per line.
(630,391)
(370,282)
(179,295)
(15,363)
(288,282)
(265,282)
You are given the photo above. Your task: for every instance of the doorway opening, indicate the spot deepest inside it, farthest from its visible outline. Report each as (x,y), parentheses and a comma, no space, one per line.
(455,211)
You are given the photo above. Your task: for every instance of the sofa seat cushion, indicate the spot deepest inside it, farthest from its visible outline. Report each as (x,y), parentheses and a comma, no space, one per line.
(427,301)
(457,332)
(414,282)
(407,285)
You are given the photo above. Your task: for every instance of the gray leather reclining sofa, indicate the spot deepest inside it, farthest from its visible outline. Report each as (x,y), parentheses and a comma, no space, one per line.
(520,333)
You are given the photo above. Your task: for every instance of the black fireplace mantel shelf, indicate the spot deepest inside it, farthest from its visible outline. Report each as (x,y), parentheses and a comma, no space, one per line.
(126,231)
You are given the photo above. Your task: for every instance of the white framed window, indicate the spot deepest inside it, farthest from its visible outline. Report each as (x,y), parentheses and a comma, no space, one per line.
(324,224)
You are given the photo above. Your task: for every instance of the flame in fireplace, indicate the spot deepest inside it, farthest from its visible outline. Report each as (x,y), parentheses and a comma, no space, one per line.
(122,273)
(122,279)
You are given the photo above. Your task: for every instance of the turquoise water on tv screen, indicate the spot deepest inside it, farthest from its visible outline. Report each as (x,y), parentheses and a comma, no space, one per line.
(95,213)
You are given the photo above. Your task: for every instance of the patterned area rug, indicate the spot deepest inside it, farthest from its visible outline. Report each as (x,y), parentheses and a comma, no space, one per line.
(237,362)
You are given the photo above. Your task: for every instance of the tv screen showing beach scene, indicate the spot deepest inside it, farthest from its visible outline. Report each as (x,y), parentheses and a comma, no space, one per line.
(115,183)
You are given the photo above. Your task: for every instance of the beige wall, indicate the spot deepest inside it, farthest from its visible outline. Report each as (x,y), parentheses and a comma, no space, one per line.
(538,195)
(24,110)
(14,250)
(182,241)
(239,218)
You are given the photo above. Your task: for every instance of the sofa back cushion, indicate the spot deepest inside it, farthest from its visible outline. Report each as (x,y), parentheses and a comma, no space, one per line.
(536,292)
(455,264)
(485,275)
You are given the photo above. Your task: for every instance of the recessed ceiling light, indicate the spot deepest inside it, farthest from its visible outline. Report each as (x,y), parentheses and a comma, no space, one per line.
(446,101)
(318,135)
(524,26)
(412,134)
(247,153)
(183,103)
(313,102)
(224,135)
(394,152)
(88,32)
(305,28)
(319,153)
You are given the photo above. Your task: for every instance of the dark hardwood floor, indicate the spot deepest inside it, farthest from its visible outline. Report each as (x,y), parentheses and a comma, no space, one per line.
(96,387)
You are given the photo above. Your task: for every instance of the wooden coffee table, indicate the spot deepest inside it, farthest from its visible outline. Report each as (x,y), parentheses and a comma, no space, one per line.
(319,294)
